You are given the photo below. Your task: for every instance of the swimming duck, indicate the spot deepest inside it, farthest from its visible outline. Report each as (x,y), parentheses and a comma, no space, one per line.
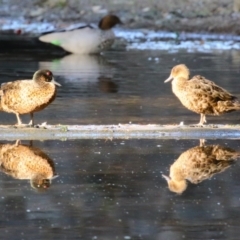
(86,39)
(27,162)
(199,163)
(28,96)
(201,95)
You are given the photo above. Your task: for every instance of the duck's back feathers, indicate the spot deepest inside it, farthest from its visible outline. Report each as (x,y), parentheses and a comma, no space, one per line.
(204,96)
(24,96)
(202,162)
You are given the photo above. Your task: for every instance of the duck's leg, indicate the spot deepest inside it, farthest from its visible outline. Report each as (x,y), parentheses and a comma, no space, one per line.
(19,123)
(31,123)
(202,120)
(202,142)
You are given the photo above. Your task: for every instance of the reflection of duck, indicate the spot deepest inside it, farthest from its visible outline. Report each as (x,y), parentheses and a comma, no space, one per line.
(28,96)
(201,95)
(86,39)
(27,162)
(79,67)
(107,85)
(199,163)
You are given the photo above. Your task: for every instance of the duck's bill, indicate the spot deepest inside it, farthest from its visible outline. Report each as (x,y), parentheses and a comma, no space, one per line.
(56,83)
(168,80)
(166,177)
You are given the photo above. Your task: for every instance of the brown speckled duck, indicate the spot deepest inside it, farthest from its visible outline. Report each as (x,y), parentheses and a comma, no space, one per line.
(199,163)
(27,162)
(28,96)
(201,95)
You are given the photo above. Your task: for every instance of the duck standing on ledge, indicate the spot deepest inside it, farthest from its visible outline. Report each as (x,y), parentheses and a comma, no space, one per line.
(28,96)
(201,95)
(86,39)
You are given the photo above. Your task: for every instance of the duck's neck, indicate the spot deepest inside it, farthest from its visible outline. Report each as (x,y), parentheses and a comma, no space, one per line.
(178,84)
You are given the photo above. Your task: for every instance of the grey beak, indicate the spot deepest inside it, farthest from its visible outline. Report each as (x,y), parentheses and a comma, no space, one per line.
(54,177)
(56,83)
(166,177)
(169,79)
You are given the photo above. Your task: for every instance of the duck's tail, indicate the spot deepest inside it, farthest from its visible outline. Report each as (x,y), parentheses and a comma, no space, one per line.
(228,106)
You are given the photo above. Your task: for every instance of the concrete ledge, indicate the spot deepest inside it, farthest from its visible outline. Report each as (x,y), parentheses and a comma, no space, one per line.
(121,131)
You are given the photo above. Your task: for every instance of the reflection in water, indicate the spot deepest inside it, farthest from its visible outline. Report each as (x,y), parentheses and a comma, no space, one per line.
(199,163)
(107,85)
(79,67)
(27,162)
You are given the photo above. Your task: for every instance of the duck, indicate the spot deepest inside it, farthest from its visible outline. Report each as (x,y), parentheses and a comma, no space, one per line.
(201,95)
(85,39)
(198,164)
(28,96)
(27,162)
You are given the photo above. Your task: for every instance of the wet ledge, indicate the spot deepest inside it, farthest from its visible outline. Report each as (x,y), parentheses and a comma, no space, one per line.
(121,131)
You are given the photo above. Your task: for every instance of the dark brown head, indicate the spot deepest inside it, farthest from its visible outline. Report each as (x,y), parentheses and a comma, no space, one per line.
(109,22)
(44,76)
(40,185)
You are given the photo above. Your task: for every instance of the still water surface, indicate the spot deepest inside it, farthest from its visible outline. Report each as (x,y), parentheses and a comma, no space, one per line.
(122,86)
(115,189)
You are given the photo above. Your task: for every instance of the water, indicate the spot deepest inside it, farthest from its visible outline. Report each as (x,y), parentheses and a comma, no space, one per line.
(114,189)
(123,86)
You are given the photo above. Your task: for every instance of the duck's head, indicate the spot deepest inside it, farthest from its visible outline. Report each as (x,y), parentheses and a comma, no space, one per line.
(44,76)
(179,71)
(109,22)
(41,183)
(176,186)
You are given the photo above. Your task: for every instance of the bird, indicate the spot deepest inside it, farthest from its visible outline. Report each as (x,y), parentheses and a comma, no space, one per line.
(85,39)
(27,162)
(28,96)
(199,163)
(201,95)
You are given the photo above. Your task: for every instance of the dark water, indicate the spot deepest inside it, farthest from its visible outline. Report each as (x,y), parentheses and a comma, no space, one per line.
(122,87)
(115,189)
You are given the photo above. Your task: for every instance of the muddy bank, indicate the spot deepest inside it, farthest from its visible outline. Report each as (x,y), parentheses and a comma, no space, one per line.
(220,16)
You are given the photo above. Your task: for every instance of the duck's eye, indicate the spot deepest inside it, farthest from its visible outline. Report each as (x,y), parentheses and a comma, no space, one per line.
(49,73)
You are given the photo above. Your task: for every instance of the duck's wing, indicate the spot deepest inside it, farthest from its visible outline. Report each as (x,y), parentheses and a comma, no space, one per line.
(67,30)
(205,88)
(208,161)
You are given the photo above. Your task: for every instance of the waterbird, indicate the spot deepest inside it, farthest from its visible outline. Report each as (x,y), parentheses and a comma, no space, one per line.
(201,95)
(28,96)
(199,163)
(27,162)
(85,39)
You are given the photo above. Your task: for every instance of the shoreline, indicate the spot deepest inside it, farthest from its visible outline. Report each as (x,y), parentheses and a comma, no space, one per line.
(208,16)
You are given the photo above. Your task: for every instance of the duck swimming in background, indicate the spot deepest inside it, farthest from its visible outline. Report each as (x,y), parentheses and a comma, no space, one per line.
(199,163)
(86,39)
(28,96)
(201,95)
(27,162)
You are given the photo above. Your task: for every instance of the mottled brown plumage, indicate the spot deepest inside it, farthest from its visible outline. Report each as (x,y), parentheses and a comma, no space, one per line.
(28,96)
(27,162)
(201,95)
(199,163)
